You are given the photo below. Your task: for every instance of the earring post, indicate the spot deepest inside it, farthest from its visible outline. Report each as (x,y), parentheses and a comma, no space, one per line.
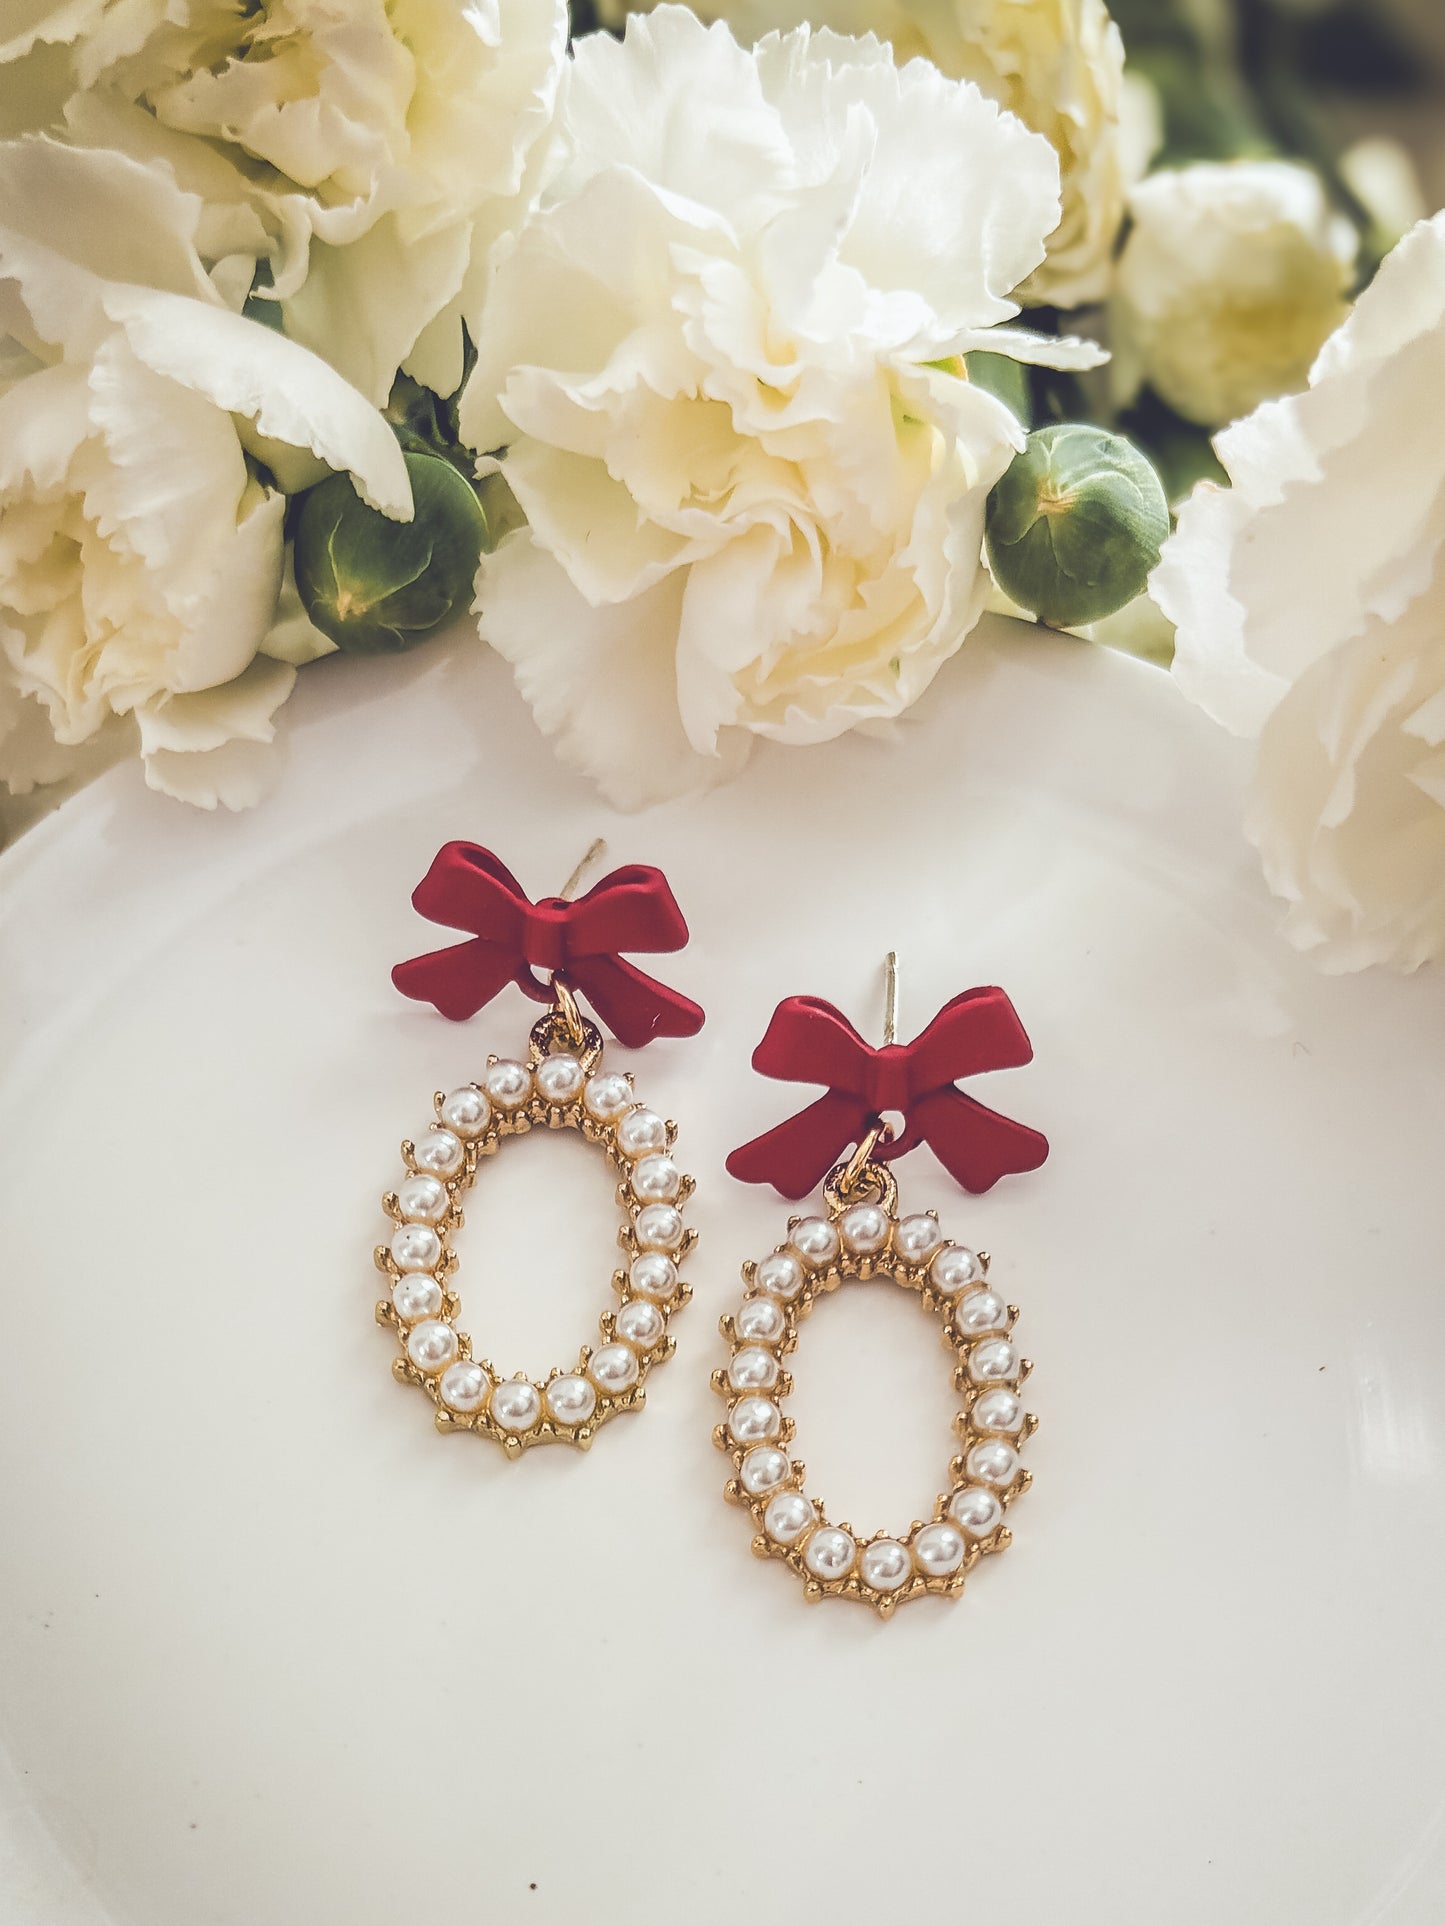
(890,998)
(597,847)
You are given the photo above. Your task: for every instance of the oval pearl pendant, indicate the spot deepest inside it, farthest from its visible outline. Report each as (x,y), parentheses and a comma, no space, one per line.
(856,1241)
(559,1085)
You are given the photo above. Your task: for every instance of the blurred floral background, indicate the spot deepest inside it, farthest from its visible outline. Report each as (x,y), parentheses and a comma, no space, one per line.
(719,368)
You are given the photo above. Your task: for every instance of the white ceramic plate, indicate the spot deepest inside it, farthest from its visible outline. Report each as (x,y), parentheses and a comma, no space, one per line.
(277,1655)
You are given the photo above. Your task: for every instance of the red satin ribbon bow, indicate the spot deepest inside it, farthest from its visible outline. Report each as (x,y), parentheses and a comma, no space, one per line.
(467,888)
(808,1041)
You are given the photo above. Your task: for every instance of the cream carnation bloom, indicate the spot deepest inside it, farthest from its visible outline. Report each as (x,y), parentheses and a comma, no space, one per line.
(1310,603)
(365,153)
(1057,64)
(1233,275)
(141,545)
(755,490)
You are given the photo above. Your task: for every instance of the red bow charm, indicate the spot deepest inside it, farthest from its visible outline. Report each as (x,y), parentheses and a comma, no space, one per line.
(467,888)
(808,1041)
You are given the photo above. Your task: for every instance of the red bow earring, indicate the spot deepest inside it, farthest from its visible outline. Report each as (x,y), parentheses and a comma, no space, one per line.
(844,1141)
(556,951)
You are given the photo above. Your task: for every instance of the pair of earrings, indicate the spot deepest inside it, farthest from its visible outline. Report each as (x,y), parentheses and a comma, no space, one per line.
(558,951)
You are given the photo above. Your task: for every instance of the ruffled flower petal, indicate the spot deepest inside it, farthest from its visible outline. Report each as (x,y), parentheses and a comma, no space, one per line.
(600,681)
(141,547)
(755,506)
(1307,600)
(210,748)
(408,131)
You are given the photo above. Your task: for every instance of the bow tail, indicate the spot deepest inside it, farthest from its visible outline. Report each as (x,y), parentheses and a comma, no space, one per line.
(975,1145)
(458,980)
(634,1006)
(796,1156)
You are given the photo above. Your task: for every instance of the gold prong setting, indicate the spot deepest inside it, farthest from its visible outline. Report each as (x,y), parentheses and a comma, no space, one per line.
(856,1242)
(561,1085)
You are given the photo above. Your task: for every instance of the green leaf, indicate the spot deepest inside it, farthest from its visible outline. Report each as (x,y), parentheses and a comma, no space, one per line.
(412,411)
(1181,451)
(258,307)
(1005,379)
(377,586)
(1076,524)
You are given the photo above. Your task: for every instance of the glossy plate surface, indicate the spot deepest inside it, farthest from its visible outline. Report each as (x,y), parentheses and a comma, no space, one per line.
(275,1654)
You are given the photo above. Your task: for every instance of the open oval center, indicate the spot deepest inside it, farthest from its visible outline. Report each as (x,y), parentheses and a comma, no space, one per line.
(873,1401)
(537,1251)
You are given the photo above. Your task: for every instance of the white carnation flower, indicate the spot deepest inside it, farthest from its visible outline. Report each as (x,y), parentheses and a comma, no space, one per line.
(366,152)
(755,496)
(1310,603)
(141,551)
(1233,275)
(1057,64)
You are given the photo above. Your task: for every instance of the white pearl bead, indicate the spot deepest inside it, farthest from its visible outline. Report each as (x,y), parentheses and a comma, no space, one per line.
(915,1237)
(787,1517)
(559,1079)
(465,1386)
(994,1359)
(466,1111)
(864,1229)
(763,1470)
(613,1368)
(641,1133)
(954,1269)
(994,1462)
(653,1274)
(508,1084)
(415,1247)
(516,1404)
(416,1297)
(830,1552)
(423,1199)
(753,1370)
(656,1180)
(980,1311)
(780,1275)
(939,1549)
(815,1240)
(431,1346)
(754,1420)
(885,1565)
(760,1320)
(640,1324)
(571,1400)
(997,1410)
(439,1151)
(976,1510)
(660,1227)
(607,1096)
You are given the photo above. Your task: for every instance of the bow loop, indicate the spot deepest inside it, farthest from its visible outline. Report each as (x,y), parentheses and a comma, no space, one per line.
(630,909)
(810,1041)
(468,888)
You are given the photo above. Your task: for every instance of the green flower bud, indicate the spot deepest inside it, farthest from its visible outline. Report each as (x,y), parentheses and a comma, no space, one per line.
(377,586)
(1076,524)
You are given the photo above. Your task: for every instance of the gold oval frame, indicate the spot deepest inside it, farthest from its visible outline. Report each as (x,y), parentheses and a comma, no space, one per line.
(535,1111)
(820,1277)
